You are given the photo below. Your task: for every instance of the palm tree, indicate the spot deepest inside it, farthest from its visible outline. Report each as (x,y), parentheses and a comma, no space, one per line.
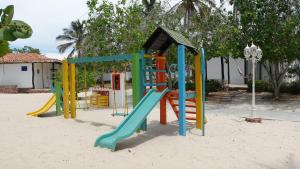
(193,7)
(149,5)
(72,37)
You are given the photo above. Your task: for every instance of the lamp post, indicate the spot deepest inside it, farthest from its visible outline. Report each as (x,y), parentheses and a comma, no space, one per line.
(254,54)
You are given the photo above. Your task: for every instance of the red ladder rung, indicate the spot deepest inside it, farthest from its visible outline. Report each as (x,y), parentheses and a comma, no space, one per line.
(188,105)
(190,118)
(187,112)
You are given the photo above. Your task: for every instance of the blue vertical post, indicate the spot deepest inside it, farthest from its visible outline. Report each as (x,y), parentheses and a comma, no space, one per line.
(181,88)
(143,81)
(203,89)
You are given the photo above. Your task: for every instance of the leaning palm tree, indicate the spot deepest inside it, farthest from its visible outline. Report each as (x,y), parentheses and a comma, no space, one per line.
(72,38)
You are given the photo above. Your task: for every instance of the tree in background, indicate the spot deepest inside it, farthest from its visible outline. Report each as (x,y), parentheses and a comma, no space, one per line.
(11,30)
(26,49)
(149,5)
(72,38)
(274,26)
(192,8)
(125,26)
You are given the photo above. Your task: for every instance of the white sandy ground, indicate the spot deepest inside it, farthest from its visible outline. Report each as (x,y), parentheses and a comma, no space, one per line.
(56,143)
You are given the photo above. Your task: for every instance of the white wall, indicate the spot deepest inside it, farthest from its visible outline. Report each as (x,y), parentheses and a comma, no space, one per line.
(235,66)
(264,73)
(38,77)
(11,74)
(42,75)
(214,70)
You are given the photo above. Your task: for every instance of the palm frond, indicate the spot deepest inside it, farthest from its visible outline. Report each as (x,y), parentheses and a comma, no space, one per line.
(74,35)
(65,38)
(71,53)
(175,7)
(63,47)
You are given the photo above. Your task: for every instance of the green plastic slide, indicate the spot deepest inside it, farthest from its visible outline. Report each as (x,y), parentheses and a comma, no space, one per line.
(132,122)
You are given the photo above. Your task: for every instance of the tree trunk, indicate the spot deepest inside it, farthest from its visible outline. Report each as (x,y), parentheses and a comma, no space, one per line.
(276,92)
(276,76)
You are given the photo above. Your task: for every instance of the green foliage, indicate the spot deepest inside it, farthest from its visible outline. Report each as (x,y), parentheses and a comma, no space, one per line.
(87,77)
(190,86)
(6,15)
(294,87)
(73,38)
(213,86)
(294,71)
(274,26)
(260,86)
(26,49)
(11,30)
(4,48)
(117,28)
(263,86)
(285,87)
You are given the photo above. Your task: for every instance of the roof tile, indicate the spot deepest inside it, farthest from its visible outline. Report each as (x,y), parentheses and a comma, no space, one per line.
(26,58)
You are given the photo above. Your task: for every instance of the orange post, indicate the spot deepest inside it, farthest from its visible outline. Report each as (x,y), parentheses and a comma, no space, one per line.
(161,78)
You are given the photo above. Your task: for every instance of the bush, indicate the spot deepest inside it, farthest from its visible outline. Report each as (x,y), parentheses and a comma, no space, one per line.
(190,86)
(213,86)
(260,86)
(285,87)
(294,87)
(210,86)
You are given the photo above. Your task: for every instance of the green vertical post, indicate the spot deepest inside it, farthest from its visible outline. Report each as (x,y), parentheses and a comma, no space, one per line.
(138,88)
(58,93)
(136,81)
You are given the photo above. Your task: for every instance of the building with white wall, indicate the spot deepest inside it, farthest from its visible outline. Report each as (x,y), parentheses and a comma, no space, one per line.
(236,71)
(27,70)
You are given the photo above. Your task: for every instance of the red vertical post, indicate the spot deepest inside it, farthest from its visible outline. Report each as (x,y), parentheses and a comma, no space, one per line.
(161,78)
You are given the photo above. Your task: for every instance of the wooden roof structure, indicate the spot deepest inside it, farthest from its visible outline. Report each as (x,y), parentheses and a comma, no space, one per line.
(162,38)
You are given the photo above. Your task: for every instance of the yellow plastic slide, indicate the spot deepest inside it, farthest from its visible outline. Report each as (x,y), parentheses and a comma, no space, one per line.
(45,108)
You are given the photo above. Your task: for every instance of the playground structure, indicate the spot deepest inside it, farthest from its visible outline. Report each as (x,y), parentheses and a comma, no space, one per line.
(149,86)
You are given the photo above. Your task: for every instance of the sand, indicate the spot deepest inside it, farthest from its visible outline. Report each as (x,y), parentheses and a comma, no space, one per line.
(55,143)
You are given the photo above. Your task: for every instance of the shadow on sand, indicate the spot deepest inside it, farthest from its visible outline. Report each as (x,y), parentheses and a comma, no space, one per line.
(155,129)
(96,124)
(49,114)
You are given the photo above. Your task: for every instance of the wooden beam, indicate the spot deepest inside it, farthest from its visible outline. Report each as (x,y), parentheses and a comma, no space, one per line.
(33,86)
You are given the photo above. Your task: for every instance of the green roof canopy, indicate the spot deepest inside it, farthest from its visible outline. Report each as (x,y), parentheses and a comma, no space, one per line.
(162,38)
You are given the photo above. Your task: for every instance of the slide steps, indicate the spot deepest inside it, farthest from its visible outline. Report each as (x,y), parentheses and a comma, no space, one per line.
(190,105)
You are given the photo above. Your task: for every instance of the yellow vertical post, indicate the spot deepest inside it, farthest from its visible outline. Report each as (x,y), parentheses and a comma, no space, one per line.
(72,90)
(198,82)
(65,80)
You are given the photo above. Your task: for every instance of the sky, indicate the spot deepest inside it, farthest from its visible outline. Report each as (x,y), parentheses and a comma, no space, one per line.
(47,19)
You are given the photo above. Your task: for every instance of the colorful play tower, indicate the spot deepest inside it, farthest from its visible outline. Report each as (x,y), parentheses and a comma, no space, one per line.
(150,75)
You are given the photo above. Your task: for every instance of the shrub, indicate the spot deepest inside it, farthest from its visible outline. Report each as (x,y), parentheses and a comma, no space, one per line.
(190,86)
(260,86)
(294,87)
(210,86)
(285,87)
(213,86)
